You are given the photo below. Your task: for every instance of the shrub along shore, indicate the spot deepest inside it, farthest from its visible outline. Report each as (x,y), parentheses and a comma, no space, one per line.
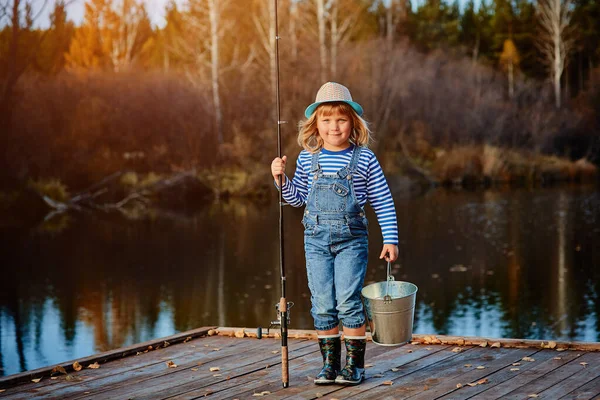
(466,166)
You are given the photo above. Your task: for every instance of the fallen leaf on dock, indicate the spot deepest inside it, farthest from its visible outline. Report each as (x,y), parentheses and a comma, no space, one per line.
(483,344)
(457,350)
(468,365)
(194,369)
(551,345)
(496,345)
(514,369)
(517,363)
(275,351)
(472,384)
(216,349)
(561,349)
(212,332)
(54,378)
(389,383)
(76,366)
(2,390)
(557,358)
(395,369)
(369,365)
(214,369)
(431,340)
(583,363)
(36,380)
(427,348)
(409,351)
(528,359)
(217,375)
(480,367)
(60,369)
(414,342)
(70,378)
(171,364)
(187,339)
(240,334)
(166,344)
(459,385)
(264,393)
(94,366)
(533,395)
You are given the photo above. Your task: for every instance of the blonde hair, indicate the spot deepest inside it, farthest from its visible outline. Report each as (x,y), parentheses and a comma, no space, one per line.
(311,141)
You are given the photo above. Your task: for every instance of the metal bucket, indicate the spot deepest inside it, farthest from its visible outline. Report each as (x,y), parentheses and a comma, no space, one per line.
(390,319)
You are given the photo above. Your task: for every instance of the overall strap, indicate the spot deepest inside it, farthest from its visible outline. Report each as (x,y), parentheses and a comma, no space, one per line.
(314,163)
(348,170)
(354,161)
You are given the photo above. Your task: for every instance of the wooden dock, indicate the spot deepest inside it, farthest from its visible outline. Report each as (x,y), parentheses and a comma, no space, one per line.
(233,364)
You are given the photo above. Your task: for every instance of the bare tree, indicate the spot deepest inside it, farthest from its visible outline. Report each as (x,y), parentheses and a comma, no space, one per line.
(554,41)
(265,25)
(343,18)
(125,41)
(322,24)
(201,45)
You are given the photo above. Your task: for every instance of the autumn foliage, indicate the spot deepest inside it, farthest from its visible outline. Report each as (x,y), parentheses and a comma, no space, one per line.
(116,93)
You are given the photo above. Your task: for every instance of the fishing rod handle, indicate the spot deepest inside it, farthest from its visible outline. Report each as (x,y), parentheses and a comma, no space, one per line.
(285,379)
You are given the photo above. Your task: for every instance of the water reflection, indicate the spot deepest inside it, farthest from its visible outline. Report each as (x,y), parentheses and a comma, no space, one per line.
(513,263)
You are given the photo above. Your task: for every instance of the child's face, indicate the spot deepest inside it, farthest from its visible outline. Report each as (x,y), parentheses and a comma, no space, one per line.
(335,130)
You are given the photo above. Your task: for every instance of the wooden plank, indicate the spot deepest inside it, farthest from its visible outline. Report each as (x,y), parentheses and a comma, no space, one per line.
(498,377)
(586,374)
(557,376)
(415,383)
(506,342)
(64,389)
(590,390)
(443,339)
(244,386)
(27,376)
(385,366)
(545,362)
(184,379)
(472,374)
(123,365)
(300,376)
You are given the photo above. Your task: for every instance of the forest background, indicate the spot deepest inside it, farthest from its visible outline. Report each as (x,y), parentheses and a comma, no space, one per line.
(502,91)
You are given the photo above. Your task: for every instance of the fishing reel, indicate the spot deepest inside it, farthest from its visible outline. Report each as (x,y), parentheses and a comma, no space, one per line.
(277,322)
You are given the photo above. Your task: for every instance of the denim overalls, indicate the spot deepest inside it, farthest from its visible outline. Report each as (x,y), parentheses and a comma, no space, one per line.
(336,247)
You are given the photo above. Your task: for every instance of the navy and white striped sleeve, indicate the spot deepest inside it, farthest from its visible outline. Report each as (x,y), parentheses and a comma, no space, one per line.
(380,197)
(295,191)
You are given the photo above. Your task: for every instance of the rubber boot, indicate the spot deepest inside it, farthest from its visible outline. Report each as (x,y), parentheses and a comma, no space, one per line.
(331,350)
(354,371)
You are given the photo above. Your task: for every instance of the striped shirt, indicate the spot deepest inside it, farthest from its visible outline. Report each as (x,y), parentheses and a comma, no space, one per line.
(368,180)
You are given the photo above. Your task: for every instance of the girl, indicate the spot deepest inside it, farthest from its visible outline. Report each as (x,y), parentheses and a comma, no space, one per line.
(335,176)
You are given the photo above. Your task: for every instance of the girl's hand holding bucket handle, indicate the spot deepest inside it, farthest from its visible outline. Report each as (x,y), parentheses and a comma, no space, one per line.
(389,252)
(278,169)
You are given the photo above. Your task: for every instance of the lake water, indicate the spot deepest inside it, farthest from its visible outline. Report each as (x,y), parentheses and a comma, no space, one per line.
(512,263)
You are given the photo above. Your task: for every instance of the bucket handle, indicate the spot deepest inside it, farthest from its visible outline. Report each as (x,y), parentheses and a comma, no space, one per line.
(387,298)
(390,277)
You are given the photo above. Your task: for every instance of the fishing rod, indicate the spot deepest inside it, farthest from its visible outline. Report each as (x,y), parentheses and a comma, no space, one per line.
(283,307)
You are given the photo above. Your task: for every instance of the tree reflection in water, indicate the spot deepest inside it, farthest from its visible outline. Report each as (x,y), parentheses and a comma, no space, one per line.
(502,263)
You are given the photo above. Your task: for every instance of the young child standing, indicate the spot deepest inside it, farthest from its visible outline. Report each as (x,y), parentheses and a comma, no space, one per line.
(336,174)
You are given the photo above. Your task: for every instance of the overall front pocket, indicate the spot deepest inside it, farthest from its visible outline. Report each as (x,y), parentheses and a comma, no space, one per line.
(330,198)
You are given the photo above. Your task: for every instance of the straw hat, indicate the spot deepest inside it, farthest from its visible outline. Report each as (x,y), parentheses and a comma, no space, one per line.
(333,92)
